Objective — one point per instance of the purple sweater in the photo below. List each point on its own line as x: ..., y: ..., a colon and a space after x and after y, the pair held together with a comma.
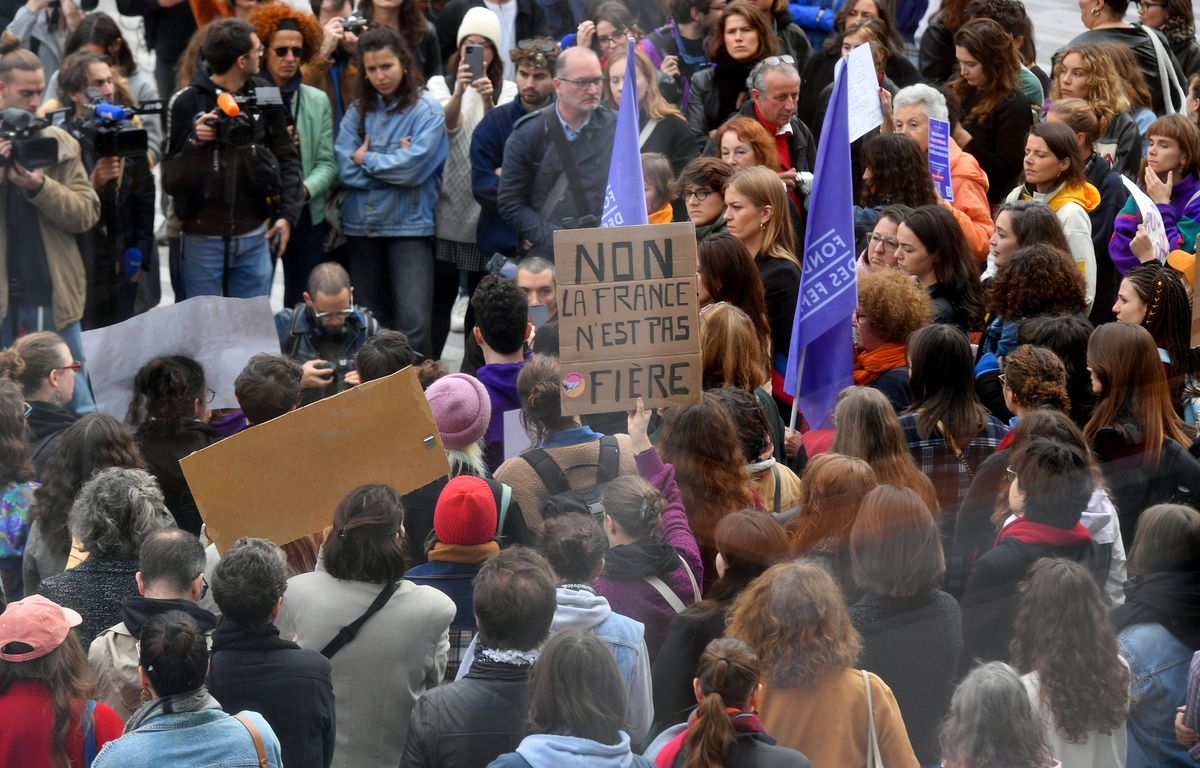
x: 637, y: 599
x: 1181, y: 220
x: 500, y: 379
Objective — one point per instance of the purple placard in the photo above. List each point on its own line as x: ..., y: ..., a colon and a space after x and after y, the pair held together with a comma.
x: 939, y: 158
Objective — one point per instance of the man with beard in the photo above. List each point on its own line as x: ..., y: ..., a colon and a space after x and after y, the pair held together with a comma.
x: 325, y: 332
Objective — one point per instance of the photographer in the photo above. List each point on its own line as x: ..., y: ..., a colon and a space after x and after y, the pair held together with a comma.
x: 42, y: 25
x: 325, y: 332
x: 334, y: 69
x: 121, y: 246
x: 228, y: 174
x: 44, y: 209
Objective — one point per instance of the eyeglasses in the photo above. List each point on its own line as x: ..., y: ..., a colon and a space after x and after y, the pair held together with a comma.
x: 585, y: 82
x: 74, y: 366
x: 773, y: 61
x: 28, y: 410
x: 1011, y: 473
x: 888, y: 243
x: 203, y: 585
x: 335, y: 313
x: 283, y: 50
x: 535, y: 44
x: 210, y: 395
x: 700, y: 194
x: 606, y: 41
x: 1003, y: 379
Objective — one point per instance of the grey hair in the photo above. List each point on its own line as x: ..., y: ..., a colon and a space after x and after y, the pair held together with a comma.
x: 758, y: 76
x: 537, y: 265
x: 991, y: 723
x: 929, y: 99
x: 116, y: 510
x: 565, y: 58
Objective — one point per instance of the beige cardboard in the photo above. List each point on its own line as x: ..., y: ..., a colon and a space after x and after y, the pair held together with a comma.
x: 580, y: 255
x: 615, y: 321
x: 592, y: 387
x: 283, y: 479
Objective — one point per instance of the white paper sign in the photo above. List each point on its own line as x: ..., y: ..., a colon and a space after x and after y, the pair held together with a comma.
x: 1151, y: 218
x: 862, y: 93
x: 516, y: 439
x: 219, y: 333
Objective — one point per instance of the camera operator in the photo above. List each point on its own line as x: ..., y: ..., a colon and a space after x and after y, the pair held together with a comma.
x: 228, y: 174
x: 43, y: 25
x: 121, y: 246
x: 325, y: 332
x: 44, y: 209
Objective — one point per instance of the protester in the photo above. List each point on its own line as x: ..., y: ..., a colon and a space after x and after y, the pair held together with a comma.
x: 1086, y: 72
x: 41, y: 364
x: 45, y: 689
x: 991, y: 722
x: 668, y: 134
x: 392, y: 186
x: 1177, y: 21
x: 726, y: 730
x: 679, y: 48
x: 95, y: 442
x: 170, y: 413
x: 502, y: 328
x: 911, y: 630
x: 776, y: 486
x: 894, y: 172
x: 731, y: 355
x: 891, y: 307
x: 702, y: 187
x: 936, y: 59
x: 606, y: 27
x: 383, y: 354
x: 794, y: 619
x: 170, y: 577
x: 1067, y: 650
x: 1156, y: 298
x: 576, y: 709
x: 252, y: 665
x: 1158, y: 628
x: 16, y: 488
x: 1019, y: 224
x: 267, y: 388
x: 397, y: 655
x: 181, y: 722
x: 417, y: 34
x: 932, y: 249
x: 658, y: 183
x: 881, y: 244
x: 333, y: 67
x: 726, y: 274
x: 482, y: 716
x: 868, y: 429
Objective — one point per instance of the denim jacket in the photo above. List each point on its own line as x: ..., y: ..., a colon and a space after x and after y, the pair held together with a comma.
x: 395, y: 191
x: 1159, y: 663
x: 208, y: 738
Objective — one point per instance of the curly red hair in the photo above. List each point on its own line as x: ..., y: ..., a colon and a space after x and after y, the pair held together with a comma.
x: 267, y: 17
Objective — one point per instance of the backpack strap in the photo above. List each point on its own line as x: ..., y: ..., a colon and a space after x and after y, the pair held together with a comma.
x: 667, y: 593
x: 552, y: 475
x: 609, y: 463
x: 778, y: 489
x: 254, y: 734
x: 350, y: 631
x: 502, y: 507
x: 89, y: 735
x: 691, y: 577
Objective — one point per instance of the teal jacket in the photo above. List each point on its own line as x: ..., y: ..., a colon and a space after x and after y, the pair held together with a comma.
x: 314, y: 124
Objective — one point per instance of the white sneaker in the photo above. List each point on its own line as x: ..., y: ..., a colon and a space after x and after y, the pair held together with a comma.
x: 458, y: 314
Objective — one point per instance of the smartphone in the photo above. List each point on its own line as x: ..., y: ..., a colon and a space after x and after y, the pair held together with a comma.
x: 474, y: 56
x: 538, y: 314
x: 276, y: 239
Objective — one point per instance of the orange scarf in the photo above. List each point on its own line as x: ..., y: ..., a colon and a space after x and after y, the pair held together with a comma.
x: 869, y: 366
x: 662, y: 215
x: 205, y: 11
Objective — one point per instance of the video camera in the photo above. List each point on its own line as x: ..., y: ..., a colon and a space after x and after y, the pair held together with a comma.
x: 109, y: 130
x: 29, y: 149
x: 235, y: 122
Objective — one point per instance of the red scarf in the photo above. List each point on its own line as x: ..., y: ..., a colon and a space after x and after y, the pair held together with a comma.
x: 1045, y: 535
x: 742, y: 721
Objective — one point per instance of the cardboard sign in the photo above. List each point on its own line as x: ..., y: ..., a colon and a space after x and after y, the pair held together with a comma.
x: 629, y: 322
x: 283, y: 479
x: 1152, y: 219
x: 219, y: 333
x: 863, y: 114
x: 939, y: 158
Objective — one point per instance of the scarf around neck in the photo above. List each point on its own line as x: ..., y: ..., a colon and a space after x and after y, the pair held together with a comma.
x: 1031, y: 532
x: 869, y: 365
x: 465, y: 554
x: 192, y: 701
x: 730, y: 81
x: 1170, y: 598
x: 650, y: 557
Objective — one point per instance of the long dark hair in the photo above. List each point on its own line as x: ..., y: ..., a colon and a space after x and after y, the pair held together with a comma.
x: 95, y: 442
x: 495, y: 71
x: 174, y: 653
x: 576, y: 690
x: 1060, y: 140
x: 992, y: 46
x: 728, y: 674
x: 364, y: 545
x: 1063, y: 633
x: 16, y: 464
x: 165, y: 391
x: 954, y: 264
x: 98, y: 28
x: 539, y: 386
x: 942, y: 376
x: 1033, y: 222
x: 64, y: 672
x: 1169, y: 320
x: 412, y: 82
x: 412, y: 21
x: 899, y: 172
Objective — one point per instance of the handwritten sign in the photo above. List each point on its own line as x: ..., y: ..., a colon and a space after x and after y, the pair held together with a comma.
x: 1152, y: 219
x: 628, y: 317
x: 939, y: 158
x: 862, y: 93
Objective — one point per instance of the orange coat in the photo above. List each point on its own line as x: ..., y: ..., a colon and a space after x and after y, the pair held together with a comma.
x: 970, y: 200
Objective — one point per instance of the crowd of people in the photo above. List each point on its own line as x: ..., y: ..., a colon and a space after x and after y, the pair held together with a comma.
x: 992, y: 559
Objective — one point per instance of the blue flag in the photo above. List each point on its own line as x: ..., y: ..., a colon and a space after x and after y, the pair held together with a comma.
x: 821, y: 357
x: 625, y: 198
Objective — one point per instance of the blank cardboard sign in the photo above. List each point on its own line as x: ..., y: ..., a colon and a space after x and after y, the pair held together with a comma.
x: 283, y: 479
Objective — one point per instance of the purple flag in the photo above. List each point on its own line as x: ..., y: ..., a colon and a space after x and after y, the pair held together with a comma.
x: 821, y: 358
x: 625, y: 198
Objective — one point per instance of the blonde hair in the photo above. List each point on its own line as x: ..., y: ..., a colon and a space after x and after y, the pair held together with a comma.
x: 1106, y: 94
x: 762, y: 187
x: 653, y: 103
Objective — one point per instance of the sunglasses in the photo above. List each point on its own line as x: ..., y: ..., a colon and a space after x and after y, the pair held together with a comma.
x: 283, y: 50
x: 773, y: 61
x: 74, y: 366
x: 543, y: 46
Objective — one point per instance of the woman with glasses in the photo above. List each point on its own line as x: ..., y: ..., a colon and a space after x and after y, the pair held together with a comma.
x: 170, y: 412
x: 41, y: 363
x: 607, y: 33
x: 881, y: 244
x: 741, y: 38
x: 1177, y: 21
x: 702, y: 187
x: 891, y: 307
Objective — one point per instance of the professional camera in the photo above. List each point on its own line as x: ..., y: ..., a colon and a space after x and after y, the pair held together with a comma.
x: 237, y: 115
x: 29, y: 149
x: 355, y: 23
x: 109, y: 131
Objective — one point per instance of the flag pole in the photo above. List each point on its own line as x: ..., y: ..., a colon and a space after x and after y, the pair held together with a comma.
x: 796, y: 398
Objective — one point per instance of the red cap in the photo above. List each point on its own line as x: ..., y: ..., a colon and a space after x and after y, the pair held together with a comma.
x: 37, y: 622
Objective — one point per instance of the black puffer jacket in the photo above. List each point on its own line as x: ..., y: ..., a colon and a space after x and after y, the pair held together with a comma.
x: 1135, y: 483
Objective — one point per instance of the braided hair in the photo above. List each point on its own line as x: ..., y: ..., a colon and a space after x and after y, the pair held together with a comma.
x: 1169, y: 320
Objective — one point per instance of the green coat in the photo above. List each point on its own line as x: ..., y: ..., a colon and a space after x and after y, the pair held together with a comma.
x: 314, y: 124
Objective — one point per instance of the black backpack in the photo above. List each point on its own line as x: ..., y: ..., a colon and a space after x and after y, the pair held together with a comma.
x: 563, y: 499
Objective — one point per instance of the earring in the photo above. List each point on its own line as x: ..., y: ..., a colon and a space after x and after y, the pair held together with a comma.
x: 762, y: 225
x: 1095, y: 11
x: 145, y: 696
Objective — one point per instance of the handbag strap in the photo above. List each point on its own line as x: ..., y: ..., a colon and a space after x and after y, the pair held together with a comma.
x: 958, y: 454
x: 667, y: 593
x: 350, y: 631
x: 647, y: 129
x: 874, y: 758
x: 567, y: 158
x: 254, y: 734
x: 1168, y: 81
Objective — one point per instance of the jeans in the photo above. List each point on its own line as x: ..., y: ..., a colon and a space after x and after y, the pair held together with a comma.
x: 23, y: 320
x: 305, y: 250
x: 203, y: 261
x: 393, y: 277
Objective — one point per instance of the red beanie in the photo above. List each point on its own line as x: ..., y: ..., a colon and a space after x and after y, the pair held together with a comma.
x: 465, y: 512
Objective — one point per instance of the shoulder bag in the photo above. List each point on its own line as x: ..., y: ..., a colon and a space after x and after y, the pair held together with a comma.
x: 350, y: 631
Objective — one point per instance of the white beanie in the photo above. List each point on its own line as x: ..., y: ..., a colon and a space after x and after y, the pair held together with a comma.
x: 483, y: 22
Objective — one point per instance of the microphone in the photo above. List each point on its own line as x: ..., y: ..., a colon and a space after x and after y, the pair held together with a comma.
x: 228, y: 105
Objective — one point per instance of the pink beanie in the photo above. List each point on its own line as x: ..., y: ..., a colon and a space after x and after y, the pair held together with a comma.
x: 461, y: 408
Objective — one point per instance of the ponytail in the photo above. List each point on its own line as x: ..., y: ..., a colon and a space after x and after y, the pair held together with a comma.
x: 728, y: 674
x: 709, y: 735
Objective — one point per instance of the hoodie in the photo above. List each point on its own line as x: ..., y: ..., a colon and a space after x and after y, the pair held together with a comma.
x: 1072, y: 204
x: 46, y: 424
x: 971, y: 207
x: 1181, y: 220
x: 500, y: 380
x: 552, y: 751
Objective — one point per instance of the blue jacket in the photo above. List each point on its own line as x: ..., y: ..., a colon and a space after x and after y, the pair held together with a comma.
x: 394, y: 192
x: 493, y: 234
x: 1158, y: 663
x: 455, y: 581
x: 208, y: 738
x: 532, y: 165
x: 806, y: 13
